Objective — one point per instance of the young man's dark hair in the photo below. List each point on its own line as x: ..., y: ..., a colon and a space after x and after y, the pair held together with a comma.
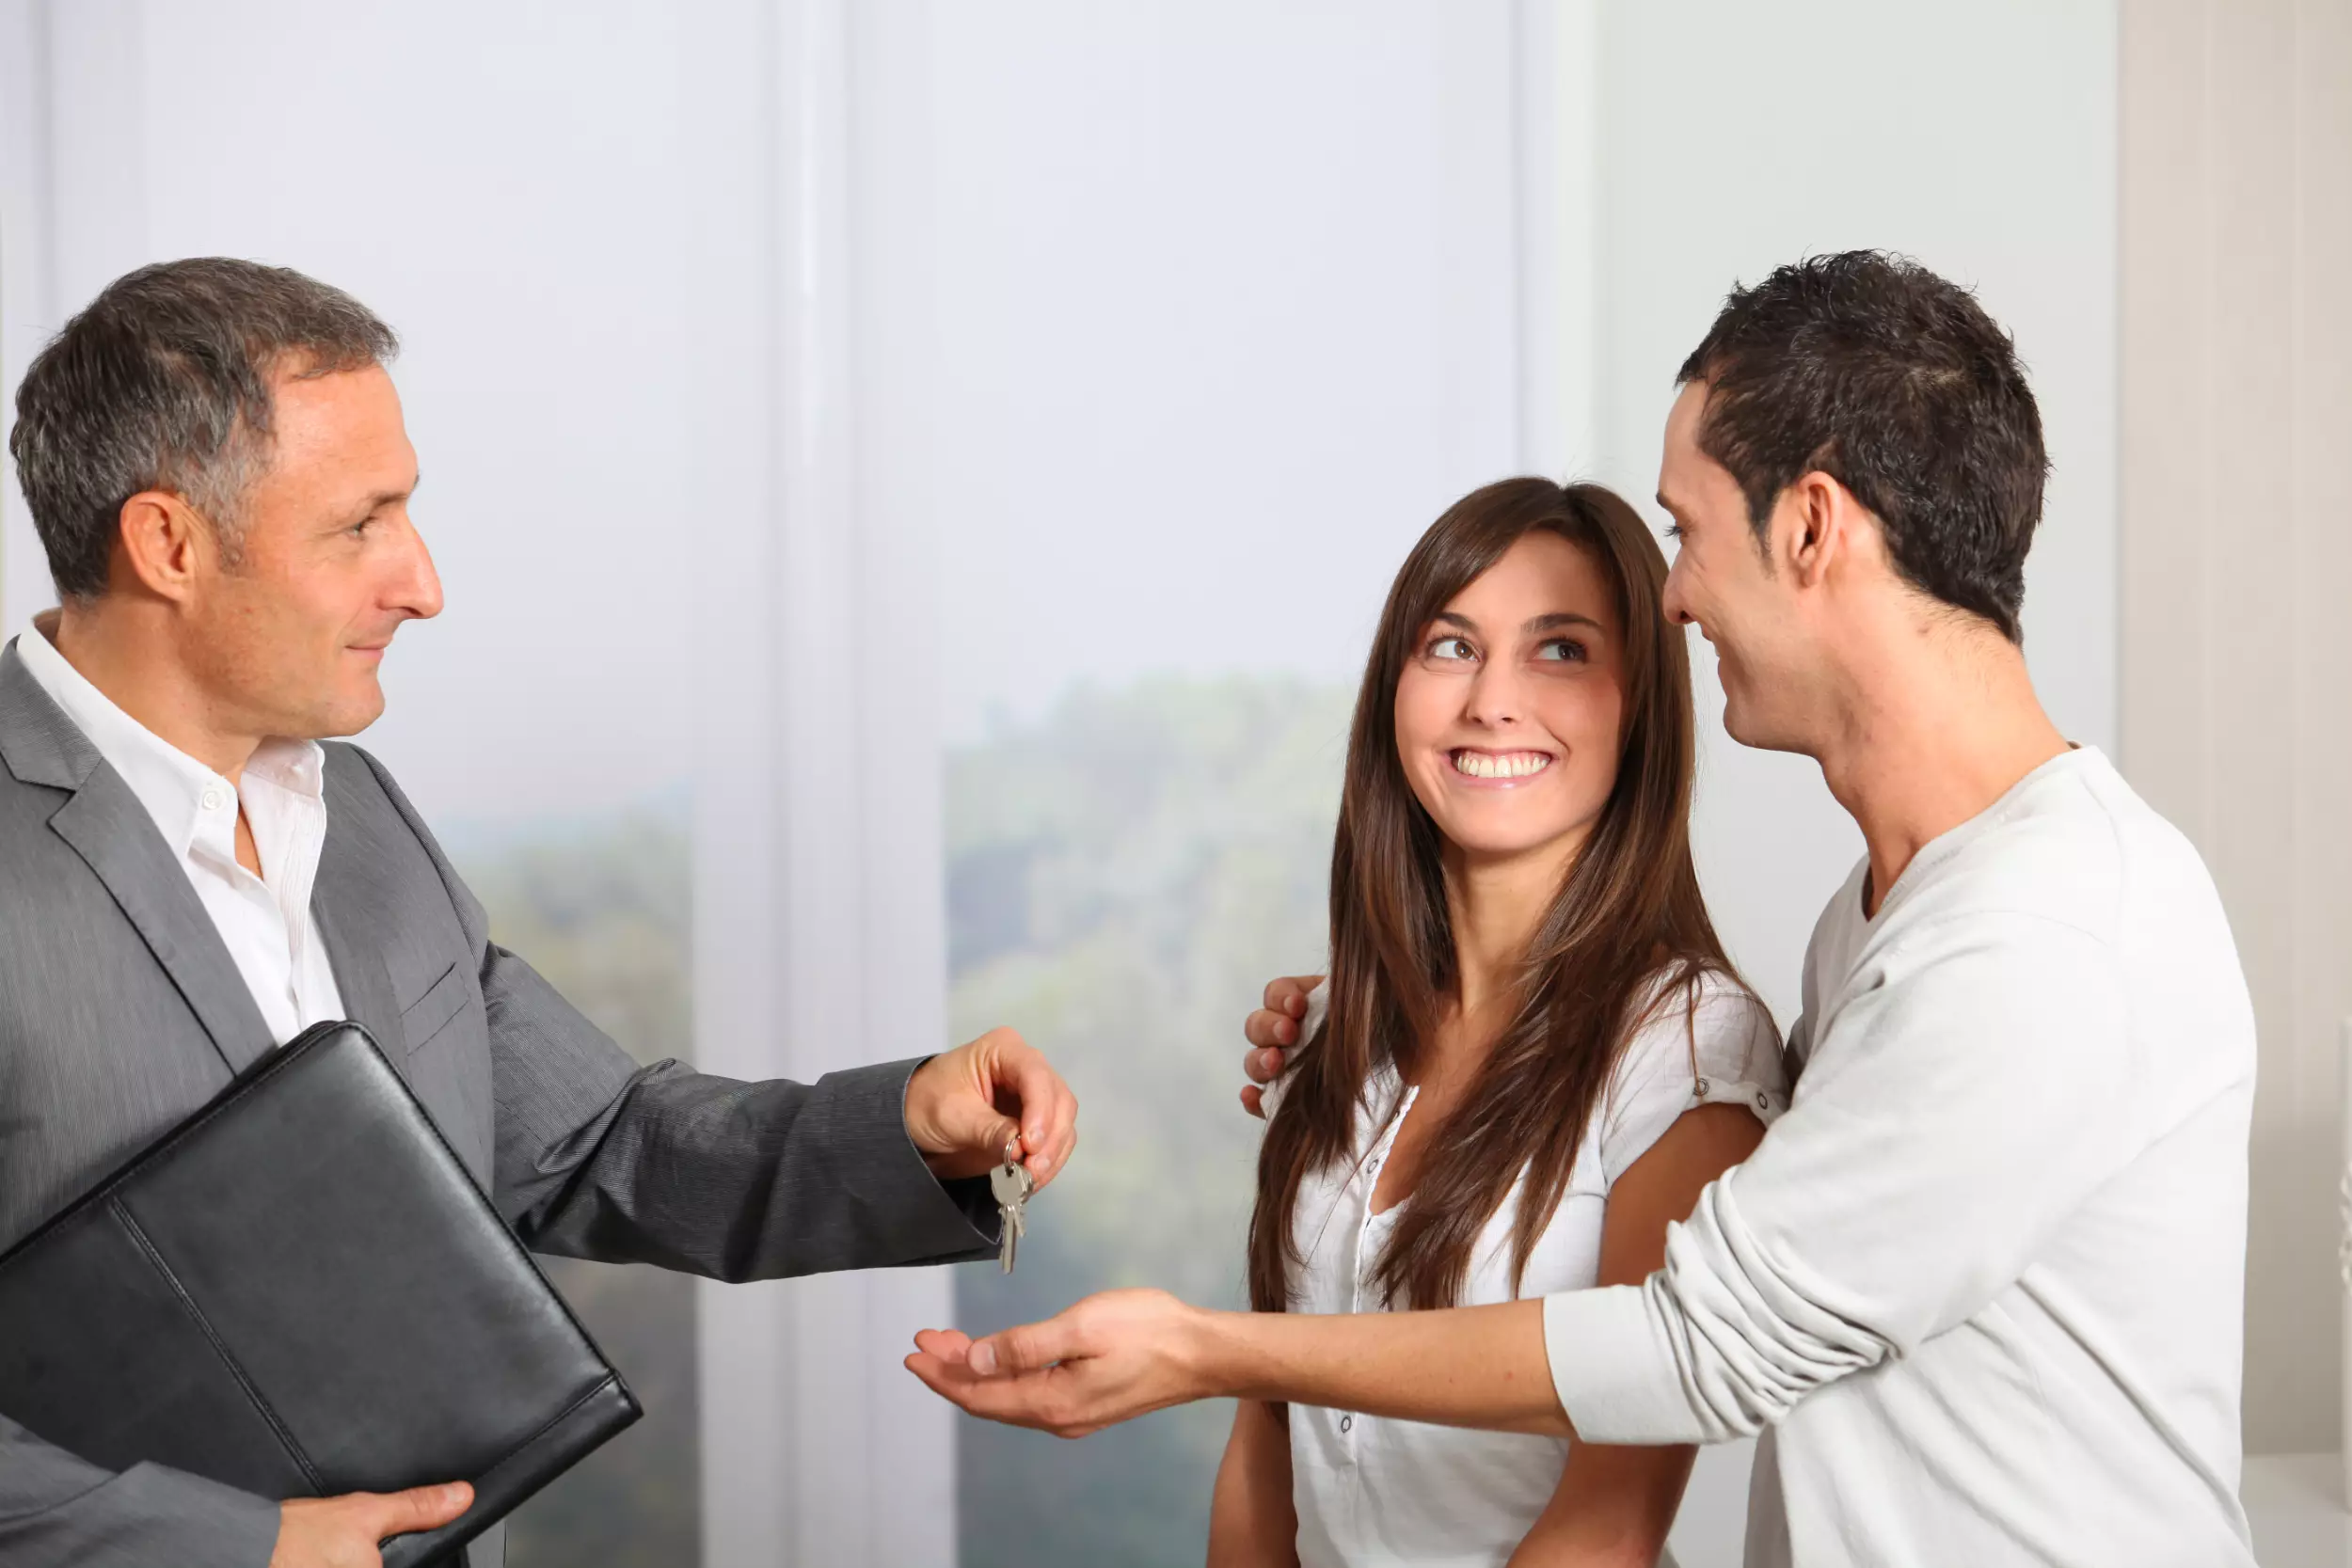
x: 1870, y: 368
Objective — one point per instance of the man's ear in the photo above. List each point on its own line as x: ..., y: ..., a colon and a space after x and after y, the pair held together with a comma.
x: 159, y: 545
x: 1816, y: 513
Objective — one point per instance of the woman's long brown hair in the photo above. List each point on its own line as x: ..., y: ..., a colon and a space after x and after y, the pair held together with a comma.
x: 1627, y: 916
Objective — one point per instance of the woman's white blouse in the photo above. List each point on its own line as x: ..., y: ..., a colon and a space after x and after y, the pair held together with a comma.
x: 1370, y: 1490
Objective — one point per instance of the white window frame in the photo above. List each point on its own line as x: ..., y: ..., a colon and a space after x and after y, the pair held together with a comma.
x: 819, y: 938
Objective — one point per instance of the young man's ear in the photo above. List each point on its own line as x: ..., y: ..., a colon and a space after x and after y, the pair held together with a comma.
x: 158, y: 544
x: 1820, y: 515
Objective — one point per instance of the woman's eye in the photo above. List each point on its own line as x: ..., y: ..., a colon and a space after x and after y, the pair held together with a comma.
x: 1451, y: 647
x: 1565, y: 650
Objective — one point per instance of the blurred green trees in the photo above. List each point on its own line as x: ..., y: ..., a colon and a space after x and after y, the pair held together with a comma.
x: 1123, y: 878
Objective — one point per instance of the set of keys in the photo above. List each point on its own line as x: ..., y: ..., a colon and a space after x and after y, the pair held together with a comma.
x: 1013, y: 1184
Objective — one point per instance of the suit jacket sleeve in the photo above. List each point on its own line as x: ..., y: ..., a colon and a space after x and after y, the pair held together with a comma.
x: 56, y: 1510
x: 597, y: 1156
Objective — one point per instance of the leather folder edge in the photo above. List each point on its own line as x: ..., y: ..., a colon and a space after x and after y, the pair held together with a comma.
x: 514, y: 1479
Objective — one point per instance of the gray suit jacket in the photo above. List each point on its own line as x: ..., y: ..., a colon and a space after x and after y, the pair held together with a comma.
x: 121, y: 1012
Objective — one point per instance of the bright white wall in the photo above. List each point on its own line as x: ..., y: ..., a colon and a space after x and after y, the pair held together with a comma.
x: 27, y: 314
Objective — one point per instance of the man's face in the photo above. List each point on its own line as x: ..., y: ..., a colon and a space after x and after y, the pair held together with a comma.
x: 1724, y: 584
x: 287, y: 640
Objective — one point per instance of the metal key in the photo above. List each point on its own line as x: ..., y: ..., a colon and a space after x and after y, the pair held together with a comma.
x: 1013, y: 1184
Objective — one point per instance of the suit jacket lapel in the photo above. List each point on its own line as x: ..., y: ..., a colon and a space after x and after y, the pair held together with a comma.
x: 358, y: 962
x: 106, y: 824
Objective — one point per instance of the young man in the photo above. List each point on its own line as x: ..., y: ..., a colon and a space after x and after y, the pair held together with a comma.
x: 1979, y: 1289
x: 216, y: 460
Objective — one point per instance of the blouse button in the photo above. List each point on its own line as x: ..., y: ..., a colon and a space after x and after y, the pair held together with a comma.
x: 1347, y: 1423
x: 1763, y: 1101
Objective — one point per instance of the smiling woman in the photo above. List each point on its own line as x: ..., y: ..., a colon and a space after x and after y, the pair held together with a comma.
x: 1532, y: 1052
x: 1508, y: 713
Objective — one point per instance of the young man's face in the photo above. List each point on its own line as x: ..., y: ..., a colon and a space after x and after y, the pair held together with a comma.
x: 1724, y: 582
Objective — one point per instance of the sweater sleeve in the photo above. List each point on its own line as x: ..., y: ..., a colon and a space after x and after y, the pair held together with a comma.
x: 1951, y: 1117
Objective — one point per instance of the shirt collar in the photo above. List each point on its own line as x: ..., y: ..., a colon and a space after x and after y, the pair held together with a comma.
x: 171, y: 784
x: 296, y: 767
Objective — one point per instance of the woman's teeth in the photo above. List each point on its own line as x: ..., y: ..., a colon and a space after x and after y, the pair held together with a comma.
x: 1506, y: 765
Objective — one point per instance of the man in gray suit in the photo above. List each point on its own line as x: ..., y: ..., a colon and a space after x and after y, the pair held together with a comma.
x: 214, y: 458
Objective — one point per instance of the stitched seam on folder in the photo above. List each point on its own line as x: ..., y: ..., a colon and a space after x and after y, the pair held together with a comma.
x: 220, y: 1348
x: 609, y: 1380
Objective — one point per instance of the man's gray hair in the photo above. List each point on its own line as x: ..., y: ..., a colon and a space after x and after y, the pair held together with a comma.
x: 162, y: 382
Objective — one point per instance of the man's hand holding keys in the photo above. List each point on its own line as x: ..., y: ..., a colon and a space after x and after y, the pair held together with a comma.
x: 966, y: 1105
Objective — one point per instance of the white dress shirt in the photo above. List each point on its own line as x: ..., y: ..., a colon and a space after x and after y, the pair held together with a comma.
x: 1370, y: 1491
x: 265, y: 921
x: 1982, y: 1287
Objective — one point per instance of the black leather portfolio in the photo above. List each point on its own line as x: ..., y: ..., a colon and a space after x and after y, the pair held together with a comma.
x: 300, y: 1291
